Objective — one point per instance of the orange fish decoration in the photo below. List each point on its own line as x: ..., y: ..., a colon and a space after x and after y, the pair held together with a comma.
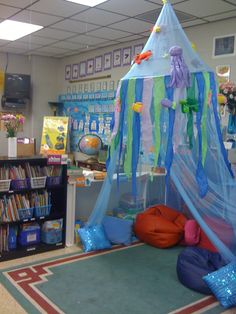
x: 146, y: 55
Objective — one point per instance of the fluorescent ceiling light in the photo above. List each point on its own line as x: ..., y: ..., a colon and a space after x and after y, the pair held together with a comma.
x: 89, y: 3
x: 12, y: 30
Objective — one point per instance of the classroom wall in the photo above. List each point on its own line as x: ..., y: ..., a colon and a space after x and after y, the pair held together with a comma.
x: 203, y: 35
x: 44, y: 81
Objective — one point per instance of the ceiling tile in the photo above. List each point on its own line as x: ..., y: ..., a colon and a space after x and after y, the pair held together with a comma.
x: 6, y: 11
x: 50, y: 49
x: 193, y: 23
x: 22, y: 45
x: 221, y: 16
x: 28, y: 16
x: 3, y: 42
x: 108, y: 33
x: 12, y: 50
x: 54, y: 33
x: 161, y: 2
x: 232, y: 1
x: 37, y: 40
x: 74, y: 26
x: 128, y: 7
x: 203, y: 8
x: 68, y: 45
x: 87, y: 40
x: 130, y: 38
x: 57, y: 7
x: 18, y: 4
x: 133, y: 26
x: 106, y: 44
x: 99, y: 17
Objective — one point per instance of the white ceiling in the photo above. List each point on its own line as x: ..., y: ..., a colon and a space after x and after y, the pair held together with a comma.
x: 71, y: 28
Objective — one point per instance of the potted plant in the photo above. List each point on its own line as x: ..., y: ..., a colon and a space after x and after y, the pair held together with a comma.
x: 12, y: 124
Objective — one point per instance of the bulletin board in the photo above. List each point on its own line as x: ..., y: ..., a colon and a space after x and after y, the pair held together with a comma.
x: 89, y: 113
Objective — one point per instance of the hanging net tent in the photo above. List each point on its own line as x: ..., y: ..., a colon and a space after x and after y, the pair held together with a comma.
x: 166, y: 116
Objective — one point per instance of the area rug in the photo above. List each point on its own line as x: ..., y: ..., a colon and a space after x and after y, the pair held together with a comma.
x: 125, y: 280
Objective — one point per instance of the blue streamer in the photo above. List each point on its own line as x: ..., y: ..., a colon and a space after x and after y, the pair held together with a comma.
x: 217, y: 121
x: 136, y: 135
x: 123, y: 93
x: 200, y: 174
x: 169, y: 149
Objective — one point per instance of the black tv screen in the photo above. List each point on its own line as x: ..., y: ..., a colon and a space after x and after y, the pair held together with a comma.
x: 17, y: 85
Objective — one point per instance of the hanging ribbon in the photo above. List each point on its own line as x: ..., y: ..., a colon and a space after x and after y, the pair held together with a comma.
x: 217, y: 121
x: 118, y: 139
x: 117, y: 111
x: 158, y: 95
x: 136, y: 135
x: 169, y: 149
x: 146, y: 130
x: 200, y: 174
x: 189, y: 106
x: 232, y: 124
x: 204, y: 116
x: 130, y: 112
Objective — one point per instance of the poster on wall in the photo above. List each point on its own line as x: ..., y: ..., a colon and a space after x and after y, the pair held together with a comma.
x: 54, y: 135
x: 68, y: 72
x: 98, y: 64
x: 223, y: 73
x: 107, y: 61
x: 82, y: 69
x: 117, y: 58
x: 90, y: 66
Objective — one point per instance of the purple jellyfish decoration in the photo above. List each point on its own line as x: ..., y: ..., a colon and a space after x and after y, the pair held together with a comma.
x: 180, y: 75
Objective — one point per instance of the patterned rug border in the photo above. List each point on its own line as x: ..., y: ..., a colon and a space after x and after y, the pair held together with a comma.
x: 25, y: 279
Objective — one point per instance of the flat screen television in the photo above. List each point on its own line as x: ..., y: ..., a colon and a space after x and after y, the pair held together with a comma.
x: 17, y: 86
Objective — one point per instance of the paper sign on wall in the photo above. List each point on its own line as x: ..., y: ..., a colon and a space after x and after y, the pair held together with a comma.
x: 54, y: 135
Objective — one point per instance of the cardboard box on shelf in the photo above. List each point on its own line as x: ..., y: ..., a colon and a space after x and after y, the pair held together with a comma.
x: 26, y: 146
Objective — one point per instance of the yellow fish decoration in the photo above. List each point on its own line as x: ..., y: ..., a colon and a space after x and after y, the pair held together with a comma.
x: 222, y: 100
x: 137, y: 107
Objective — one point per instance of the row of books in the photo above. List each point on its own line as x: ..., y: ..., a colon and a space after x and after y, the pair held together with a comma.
x: 4, y: 232
x: 11, y: 206
x: 52, y: 171
x: 4, y: 173
x: 28, y: 171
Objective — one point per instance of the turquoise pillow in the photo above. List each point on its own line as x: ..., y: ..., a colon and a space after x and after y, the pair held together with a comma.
x: 118, y: 231
x: 223, y: 284
x: 93, y: 238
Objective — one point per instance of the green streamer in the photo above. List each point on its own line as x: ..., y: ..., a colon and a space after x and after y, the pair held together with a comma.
x: 204, y: 116
x: 193, y: 106
x: 130, y: 101
x: 158, y: 95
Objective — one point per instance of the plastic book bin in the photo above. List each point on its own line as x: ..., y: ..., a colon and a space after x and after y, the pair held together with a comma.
x: 19, y: 184
x: 52, y: 236
x: 42, y: 211
x: 38, y: 182
x: 25, y: 213
x: 29, y: 236
x: 5, y: 185
x: 53, y: 181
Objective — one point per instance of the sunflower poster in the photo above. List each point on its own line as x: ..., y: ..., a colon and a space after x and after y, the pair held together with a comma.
x: 54, y: 135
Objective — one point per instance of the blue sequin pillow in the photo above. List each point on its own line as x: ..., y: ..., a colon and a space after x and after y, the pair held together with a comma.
x: 223, y: 284
x: 93, y: 238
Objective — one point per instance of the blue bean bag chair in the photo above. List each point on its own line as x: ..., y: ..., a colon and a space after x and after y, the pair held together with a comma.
x: 193, y: 263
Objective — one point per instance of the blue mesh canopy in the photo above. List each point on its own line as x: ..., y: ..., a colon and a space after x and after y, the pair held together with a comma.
x: 166, y: 117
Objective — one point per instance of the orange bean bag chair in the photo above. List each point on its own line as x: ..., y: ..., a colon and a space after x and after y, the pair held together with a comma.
x: 160, y: 226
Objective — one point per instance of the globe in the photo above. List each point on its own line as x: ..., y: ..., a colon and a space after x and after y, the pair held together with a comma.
x: 90, y: 144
